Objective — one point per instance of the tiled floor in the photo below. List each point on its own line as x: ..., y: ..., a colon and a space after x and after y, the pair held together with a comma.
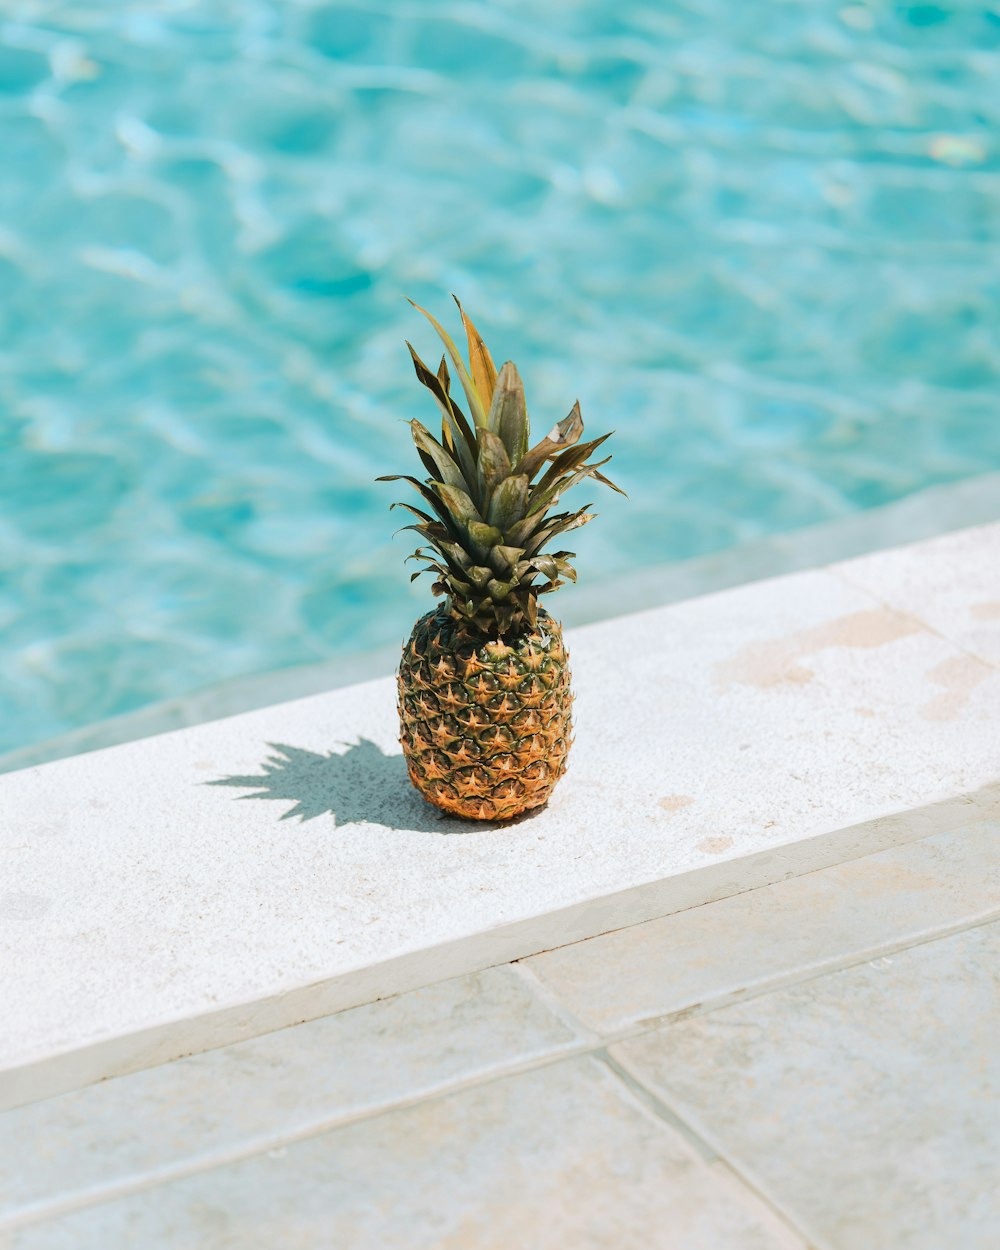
x: 813, y: 1064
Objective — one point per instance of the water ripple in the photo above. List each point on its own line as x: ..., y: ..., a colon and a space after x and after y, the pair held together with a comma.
x: 760, y: 240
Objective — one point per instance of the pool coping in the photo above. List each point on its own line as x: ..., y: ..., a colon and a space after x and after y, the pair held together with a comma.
x: 149, y: 914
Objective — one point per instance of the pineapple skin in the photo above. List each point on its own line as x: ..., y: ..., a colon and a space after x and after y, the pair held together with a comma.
x: 485, y: 722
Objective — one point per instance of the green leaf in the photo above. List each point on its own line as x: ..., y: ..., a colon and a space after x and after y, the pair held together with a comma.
x: 562, y: 435
x: 542, y: 499
x: 508, y: 503
x: 546, y: 565
x: 505, y: 558
x: 568, y: 460
x: 428, y: 520
x: 518, y: 534
x: 442, y: 465
x: 457, y: 504
x: 493, y: 464
x: 429, y: 495
x: 484, y: 536
x: 453, y: 584
x: 508, y: 416
x: 498, y: 591
x: 462, y: 435
x: 560, y: 524
x: 455, y: 554
x: 471, y: 394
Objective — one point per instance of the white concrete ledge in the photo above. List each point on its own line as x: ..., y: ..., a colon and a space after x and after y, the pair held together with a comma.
x: 186, y: 891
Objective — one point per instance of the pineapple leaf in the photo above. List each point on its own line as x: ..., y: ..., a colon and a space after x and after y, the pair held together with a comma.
x: 520, y: 532
x: 488, y: 518
x: 568, y: 460
x: 460, y: 430
x: 471, y: 394
x: 456, y: 502
x: 508, y: 502
x: 429, y: 496
x: 531, y: 609
x: 508, y: 416
x: 545, y: 498
x: 546, y: 565
x: 498, y: 591
x: 484, y: 371
x: 438, y: 462
x: 505, y: 558
x: 484, y: 536
x: 560, y: 524
x: 455, y: 554
x: 562, y: 435
x: 607, y: 482
x: 493, y: 464
x: 428, y: 520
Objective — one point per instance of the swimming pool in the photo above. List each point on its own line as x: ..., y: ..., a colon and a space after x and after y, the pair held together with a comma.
x: 759, y: 240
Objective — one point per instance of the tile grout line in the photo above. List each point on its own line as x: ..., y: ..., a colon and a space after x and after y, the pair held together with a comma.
x: 592, y: 1043
x: 541, y: 990
x: 264, y: 1143
x: 588, y: 1041
x: 654, y: 1101
x: 973, y: 798
x: 655, y: 1106
x: 800, y: 976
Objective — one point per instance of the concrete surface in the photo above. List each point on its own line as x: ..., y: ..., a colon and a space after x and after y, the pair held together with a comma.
x: 832, y: 1087
x: 180, y: 893
x: 864, y: 1101
x: 951, y: 582
x: 701, y: 958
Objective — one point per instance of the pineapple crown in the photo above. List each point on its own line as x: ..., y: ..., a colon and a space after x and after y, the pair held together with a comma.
x: 488, y: 517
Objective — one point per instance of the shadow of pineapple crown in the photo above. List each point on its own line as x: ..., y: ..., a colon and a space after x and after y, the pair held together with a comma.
x: 359, y: 785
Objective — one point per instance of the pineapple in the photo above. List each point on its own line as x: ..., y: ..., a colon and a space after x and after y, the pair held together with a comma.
x: 484, y: 682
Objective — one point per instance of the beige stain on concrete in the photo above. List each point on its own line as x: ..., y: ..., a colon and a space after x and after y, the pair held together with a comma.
x: 776, y: 661
x: 989, y: 611
x: 867, y: 712
x: 958, y: 676
x: 875, y: 878
x: 715, y: 846
x: 674, y: 802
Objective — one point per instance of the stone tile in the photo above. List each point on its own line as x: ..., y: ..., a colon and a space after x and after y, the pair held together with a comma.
x: 556, y: 1158
x: 864, y: 1102
x: 239, y: 1098
x: 952, y: 583
x: 785, y: 930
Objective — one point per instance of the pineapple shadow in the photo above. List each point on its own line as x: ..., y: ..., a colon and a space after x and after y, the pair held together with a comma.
x: 361, y: 784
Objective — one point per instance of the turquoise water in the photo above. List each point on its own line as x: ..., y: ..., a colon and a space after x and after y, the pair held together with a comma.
x: 758, y: 239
